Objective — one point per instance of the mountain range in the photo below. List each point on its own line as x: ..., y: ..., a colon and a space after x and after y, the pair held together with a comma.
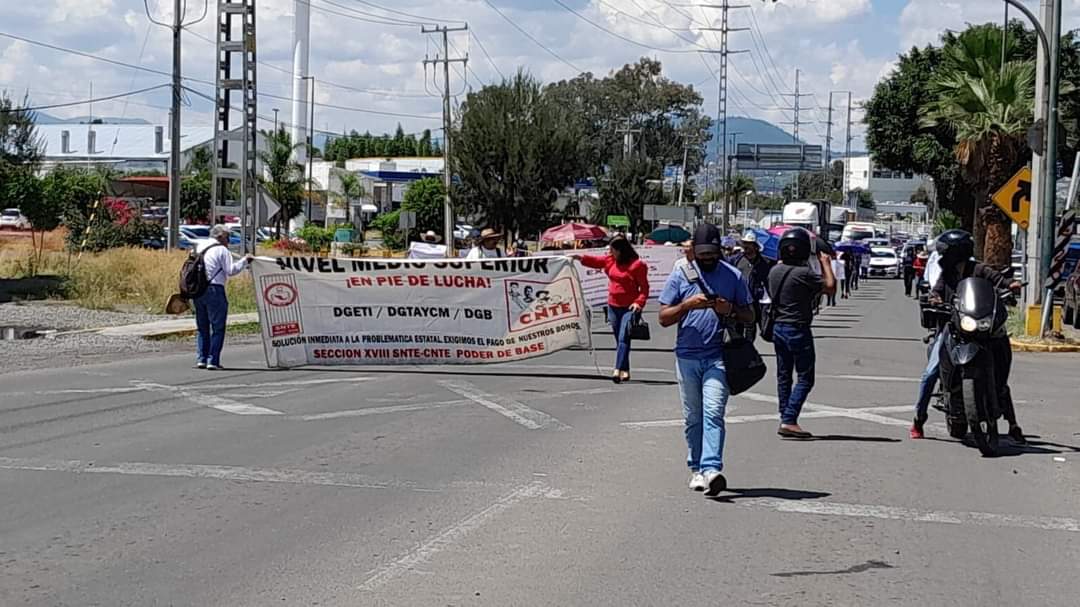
x: 750, y: 130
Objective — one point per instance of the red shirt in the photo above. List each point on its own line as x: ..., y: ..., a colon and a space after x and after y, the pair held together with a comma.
x: 627, y: 283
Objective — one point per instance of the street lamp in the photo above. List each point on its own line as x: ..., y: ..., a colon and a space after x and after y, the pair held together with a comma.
x: 310, y: 146
x: 275, y: 119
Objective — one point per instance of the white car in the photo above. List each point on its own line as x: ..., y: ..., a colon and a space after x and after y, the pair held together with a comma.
x: 884, y: 262
x: 13, y: 219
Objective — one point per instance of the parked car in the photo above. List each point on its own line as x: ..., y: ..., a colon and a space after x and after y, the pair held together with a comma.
x: 884, y: 262
x: 13, y: 219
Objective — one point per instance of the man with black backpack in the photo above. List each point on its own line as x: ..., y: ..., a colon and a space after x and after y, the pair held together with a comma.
x: 202, y: 280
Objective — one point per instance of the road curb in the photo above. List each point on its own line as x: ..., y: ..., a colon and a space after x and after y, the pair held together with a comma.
x: 1019, y: 346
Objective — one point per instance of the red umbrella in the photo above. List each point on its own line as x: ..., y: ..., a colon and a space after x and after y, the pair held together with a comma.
x: 573, y: 231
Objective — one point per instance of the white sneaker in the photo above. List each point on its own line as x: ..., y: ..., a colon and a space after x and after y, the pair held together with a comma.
x: 697, y: 482
x: 715, y: 483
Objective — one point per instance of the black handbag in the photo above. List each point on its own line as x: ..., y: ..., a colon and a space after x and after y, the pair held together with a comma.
x: 743, y: 365
x: 639, y: 329
x: 768, y: 319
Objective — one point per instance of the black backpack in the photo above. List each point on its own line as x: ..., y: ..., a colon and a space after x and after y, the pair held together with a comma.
x: 193, y: 278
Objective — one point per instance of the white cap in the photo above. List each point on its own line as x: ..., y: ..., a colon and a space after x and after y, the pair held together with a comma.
x: 750, y: 237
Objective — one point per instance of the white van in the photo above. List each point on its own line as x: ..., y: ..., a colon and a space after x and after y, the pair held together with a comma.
x: 858, y: 231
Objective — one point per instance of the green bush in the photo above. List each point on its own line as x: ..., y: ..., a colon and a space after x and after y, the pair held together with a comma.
x: 317, y: 238
x: 387, y: 223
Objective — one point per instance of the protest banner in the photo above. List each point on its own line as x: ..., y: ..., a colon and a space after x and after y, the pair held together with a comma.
x: 375, y: 312
x: 661, y: 262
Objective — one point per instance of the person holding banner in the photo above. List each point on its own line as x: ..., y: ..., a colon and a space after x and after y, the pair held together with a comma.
x: 704, y: 297
x: 487, y: 246
x: 628, y: 290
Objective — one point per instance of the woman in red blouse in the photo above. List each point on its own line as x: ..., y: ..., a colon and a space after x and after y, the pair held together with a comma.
x: 628, y: 289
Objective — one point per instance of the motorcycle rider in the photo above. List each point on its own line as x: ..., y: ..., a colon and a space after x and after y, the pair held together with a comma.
x: 956, y: 248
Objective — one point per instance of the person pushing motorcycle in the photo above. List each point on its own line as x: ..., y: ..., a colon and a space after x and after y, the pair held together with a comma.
x: 956, y: 248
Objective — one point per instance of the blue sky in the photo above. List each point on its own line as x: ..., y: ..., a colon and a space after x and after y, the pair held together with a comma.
x: 838, y: 45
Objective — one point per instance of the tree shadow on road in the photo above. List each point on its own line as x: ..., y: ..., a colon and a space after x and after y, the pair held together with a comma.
x: 767, y: 493
x: 847, y: 437
x: 860, y: 568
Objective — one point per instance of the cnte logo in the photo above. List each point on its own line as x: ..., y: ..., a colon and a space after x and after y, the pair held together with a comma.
x: 279, y: 294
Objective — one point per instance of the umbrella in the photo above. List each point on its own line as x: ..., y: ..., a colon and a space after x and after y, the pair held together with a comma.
x: 822, y: 244
x: 669, y: 234
x: 729, y: 242
x: 573, y: 231
x: 848, y: 246
x: 769, y: 243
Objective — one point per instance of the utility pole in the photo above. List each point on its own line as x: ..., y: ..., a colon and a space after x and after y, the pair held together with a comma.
x: 721, y: 99
x: 847, y: 152
x: 796, y: 96
x: 310, y: 144
x: 828, y: 146
x: 173, y: 237
x: 446, y: 60
x: 275, y: 119
x: 682, y: 170
x: 628, y: 137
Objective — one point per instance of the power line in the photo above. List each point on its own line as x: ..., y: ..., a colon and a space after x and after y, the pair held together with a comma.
x: 344, y: 87
x: 764, y: 44
x: 405, y: 14
x: 530, y: 37
x: 205, y: 82
x: 484, y: 50
x: 350, y: 13
x: 85, y: 101
x: 620, y: 36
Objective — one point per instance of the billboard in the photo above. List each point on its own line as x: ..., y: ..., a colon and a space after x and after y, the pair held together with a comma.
x: 778, y: 157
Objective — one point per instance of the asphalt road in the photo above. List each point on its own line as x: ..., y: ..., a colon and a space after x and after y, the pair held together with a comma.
x: 144, y: 482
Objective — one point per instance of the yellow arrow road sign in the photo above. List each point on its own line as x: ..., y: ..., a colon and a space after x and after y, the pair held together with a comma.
x: 1015, y: 197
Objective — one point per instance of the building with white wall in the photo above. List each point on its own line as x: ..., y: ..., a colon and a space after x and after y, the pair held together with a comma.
x: 886, y: 185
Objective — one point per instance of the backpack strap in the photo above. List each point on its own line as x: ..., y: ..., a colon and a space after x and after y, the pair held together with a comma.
x: 202, y: 258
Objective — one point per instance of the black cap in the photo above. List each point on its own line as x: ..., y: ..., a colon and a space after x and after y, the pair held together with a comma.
x: 707, y: 239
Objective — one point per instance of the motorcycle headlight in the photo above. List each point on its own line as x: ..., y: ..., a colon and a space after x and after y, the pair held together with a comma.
x: 984, y: 324
x: 968, y: 324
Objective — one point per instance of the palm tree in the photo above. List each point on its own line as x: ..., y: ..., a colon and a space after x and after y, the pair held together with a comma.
x: 989, y: 106
x: 351, y: 189
x: 282, y: 176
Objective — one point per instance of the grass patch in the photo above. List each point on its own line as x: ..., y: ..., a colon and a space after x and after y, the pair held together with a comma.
x: 127, y: 278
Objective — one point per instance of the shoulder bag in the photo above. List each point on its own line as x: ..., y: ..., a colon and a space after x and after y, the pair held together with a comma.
x: 743, y: 365
x: 768, y: 319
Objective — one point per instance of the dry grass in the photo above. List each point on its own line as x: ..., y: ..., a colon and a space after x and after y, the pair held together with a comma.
x: 127, y: 278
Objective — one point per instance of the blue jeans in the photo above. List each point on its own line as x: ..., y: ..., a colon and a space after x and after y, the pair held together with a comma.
x: 210, y: 312
x: 704, y: 391
x: 794, y: 346
x: 620, y: 319
x: 929, y: 377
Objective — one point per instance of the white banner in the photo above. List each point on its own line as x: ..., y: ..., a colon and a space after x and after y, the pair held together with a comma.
x: 661, y: 262
x: 375, y: 312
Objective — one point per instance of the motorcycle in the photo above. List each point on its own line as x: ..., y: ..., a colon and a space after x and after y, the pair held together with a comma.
x: 977, y: 315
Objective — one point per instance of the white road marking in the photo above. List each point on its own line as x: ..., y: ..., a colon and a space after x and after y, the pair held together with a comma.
x: 379, y: 410
x: 838, y: 411
x: 235, y: 473
x: 877, y: 378
x: 423, y: 406
x: 517, y: 411
x: 448, y: 537
x: 77, y: 391
x: 233, y: 386
x: 985, y: 519
x: 208, y: 400
x: 575, y: 368
x: 864, y: 413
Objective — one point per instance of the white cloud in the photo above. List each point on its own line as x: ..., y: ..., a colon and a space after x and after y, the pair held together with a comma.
x: 923, y: 21
x: 73, y: 10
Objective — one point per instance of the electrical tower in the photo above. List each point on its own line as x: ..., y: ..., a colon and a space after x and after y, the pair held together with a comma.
x: 721, y: 100
x: 795, y: 122
x: 446, y: 60
x: 236, y: 43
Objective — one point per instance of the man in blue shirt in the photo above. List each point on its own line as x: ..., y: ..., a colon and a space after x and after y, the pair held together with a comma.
x: 704, y: 298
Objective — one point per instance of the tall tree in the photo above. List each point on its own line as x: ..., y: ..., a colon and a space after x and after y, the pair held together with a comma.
x: 626, y: 188
x: 351, y: 190
x: 514, y: 150
x: 283, y: 177
x: 989, y: 106
x: 425, y: 197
